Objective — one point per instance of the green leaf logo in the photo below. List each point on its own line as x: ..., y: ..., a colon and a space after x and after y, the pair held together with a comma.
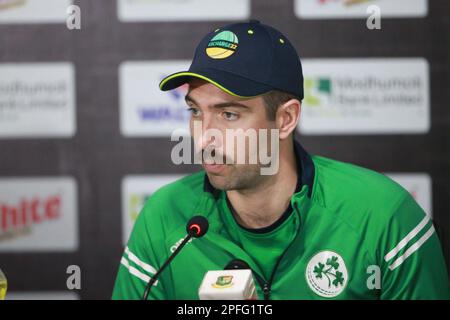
x: 326, y: 274
x: 332, y: 274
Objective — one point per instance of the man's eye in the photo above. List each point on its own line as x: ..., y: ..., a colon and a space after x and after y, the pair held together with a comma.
x: 230, y: 115
x: 195, y: 112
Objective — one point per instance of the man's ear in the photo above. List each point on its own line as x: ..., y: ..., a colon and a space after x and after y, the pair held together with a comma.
x: 287, y: 117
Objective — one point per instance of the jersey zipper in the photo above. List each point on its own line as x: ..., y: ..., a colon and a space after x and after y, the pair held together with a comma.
x: 266, y: 286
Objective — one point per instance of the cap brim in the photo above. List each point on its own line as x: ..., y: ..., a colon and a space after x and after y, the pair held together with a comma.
x: 230, y: 83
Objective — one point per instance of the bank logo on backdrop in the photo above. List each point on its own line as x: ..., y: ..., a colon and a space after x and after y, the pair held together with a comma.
x: 145, y: 110
x: 365, y: 96
x: 419, y: 186
x: 136, y: 190
x: 320, y: 9
x: 33, y: 11
x: 38, y: 214
x: 36, y: 106
x: 182, y: 10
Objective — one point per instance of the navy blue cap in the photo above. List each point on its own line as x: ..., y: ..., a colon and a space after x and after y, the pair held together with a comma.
x: 245, y: 60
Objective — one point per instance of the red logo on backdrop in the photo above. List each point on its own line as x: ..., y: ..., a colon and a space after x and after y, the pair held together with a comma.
x: 18, y: 218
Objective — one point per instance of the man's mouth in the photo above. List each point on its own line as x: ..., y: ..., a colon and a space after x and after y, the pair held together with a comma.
x: 213, y: 168
x: 210, y: 165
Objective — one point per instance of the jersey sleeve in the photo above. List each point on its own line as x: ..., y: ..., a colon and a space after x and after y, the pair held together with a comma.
x: 138, y: 264
x: 412, y: 262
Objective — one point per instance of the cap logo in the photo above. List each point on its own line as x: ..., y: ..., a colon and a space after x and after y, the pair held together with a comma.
x: 222, y: 45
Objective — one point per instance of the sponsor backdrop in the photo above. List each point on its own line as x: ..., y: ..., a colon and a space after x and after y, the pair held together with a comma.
x: 85, y: 132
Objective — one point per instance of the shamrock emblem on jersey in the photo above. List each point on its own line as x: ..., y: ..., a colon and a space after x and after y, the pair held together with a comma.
x: 330, y: 270
x: 326, y: 274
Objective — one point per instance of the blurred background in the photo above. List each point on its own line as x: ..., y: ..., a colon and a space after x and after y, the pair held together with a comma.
x: 85, y: 132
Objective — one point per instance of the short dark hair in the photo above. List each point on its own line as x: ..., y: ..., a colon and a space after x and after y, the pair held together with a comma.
x: 273, y: 99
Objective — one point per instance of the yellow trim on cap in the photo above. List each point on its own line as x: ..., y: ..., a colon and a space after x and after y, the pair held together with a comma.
x: 196, y: 75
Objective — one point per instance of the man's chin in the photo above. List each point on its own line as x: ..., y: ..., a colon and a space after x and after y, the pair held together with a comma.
x: 217, y: 181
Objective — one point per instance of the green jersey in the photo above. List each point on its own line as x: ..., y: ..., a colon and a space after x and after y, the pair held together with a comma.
x: 350, y: 233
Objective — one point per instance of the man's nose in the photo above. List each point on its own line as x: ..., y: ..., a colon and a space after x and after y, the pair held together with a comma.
x: 206, y: 135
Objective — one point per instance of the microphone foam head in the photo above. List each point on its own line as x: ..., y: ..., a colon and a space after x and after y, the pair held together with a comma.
x: 237, y: 264
x: 197, y: 226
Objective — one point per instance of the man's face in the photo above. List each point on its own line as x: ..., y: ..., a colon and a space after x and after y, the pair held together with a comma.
x: 215, y: 111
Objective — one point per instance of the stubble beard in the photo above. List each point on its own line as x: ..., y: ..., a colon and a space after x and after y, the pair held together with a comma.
x: 237, y: 177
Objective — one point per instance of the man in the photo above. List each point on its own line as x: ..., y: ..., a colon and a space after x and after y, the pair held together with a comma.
x: 314, y: 229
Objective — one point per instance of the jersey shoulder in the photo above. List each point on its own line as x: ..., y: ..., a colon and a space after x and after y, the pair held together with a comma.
x: 356, y: 193
x: 172, y: 204
x: 186, y: 188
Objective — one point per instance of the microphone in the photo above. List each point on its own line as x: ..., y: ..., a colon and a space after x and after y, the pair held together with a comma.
x: 196, y: 227
x: 237, y: 264
x: 233, y: 283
